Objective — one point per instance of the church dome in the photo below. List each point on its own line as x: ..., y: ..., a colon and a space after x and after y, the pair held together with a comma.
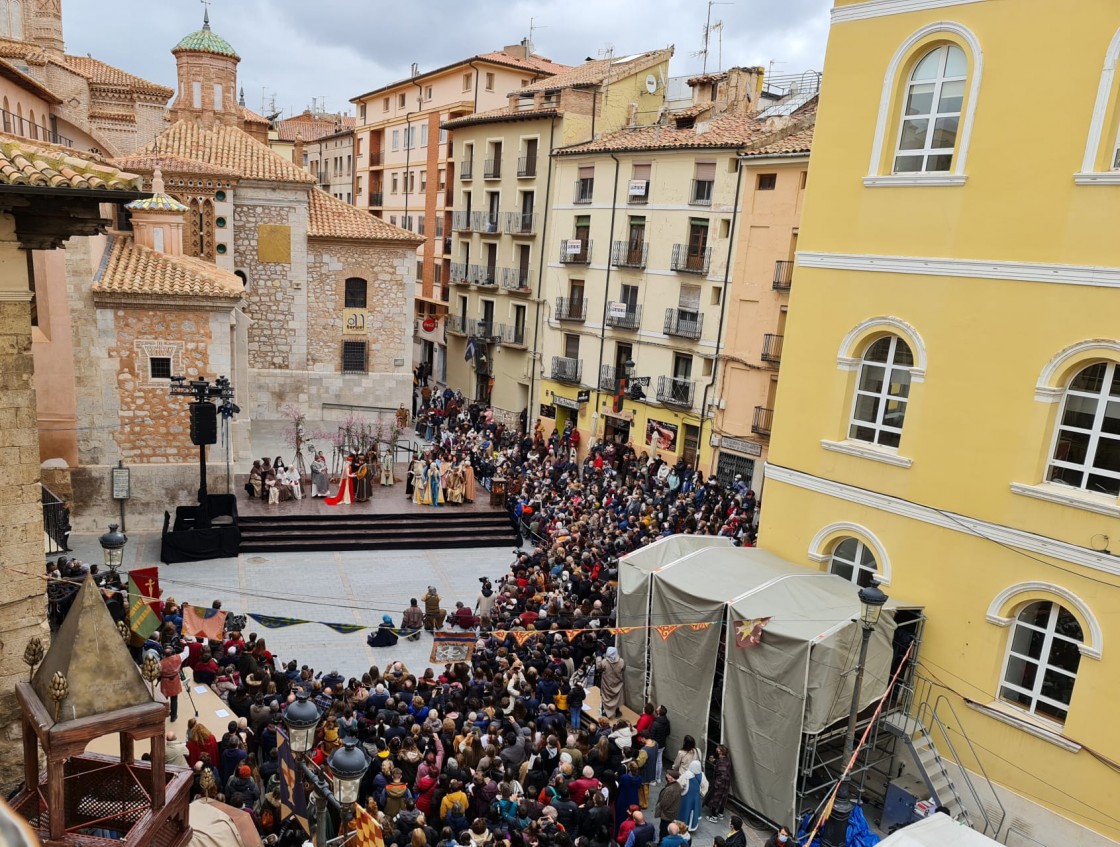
x: 205, y: 41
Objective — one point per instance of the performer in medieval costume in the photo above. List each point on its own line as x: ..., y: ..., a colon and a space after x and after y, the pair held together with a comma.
x: 345, y: 494
x: 256, y: 484
x: 293, y: 483
x: 422, y: 496
x: 412, y: 478
x: 361, y: 481
x: 435, y: 480
x: 320, y: 483
x: 468, y: 481
x: 387, y: 465
x: 455, y: 485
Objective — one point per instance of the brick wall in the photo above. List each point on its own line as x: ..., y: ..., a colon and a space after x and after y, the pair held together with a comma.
x: 22, y: 597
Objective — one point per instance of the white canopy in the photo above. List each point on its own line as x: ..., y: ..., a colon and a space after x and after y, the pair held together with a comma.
x: 937, y: 831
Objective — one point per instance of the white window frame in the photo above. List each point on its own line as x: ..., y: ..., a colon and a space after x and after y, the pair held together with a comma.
x: 1050, y: 634
x: 855, y: 563
x: 396, y: 139
x: 883, y: 396
x: 939, y: 81
x: 1102, y: 399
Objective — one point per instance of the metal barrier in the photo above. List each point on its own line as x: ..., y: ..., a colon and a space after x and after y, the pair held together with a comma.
x: 56, y: 523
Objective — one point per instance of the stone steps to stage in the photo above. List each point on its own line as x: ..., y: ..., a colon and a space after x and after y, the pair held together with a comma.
x: 438, y: 528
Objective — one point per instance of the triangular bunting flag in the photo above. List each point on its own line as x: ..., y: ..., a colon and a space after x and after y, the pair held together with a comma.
x: 699, y: 626
x: 344, y: 628
x: 500, y: 634
x: 666, y: 630
x: 275, y: 621
x: 522, y: 635
x: 622, y: 630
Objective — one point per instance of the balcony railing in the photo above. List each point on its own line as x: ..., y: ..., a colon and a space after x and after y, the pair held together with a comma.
x: 484, y: 275
x: 376, y: 158
x: 521, y: 223
x: 571, y: 309
x: 684, y: 324
x: 456, y: 325
x: 691, y: 261
x: 466, y: 170
x: 606, y: 378
x: 575, y: 251
x: 460, y: 273
x: 377, y: 198
x: 477, y: 328
x: 675, y: 392
x: 629, y: 254
x: 492, y: 169
x: 56, y: 523
x: 512, y: 335
x: 630, y: 320
x: 701, y: 193
x: 638, y: 199
x: 585, y: 188
x: 783, y: 275
x: 566, y: 370
x: 772, y: 348
x: 763, y: 420
x: 17, y: 125
x: 461, y: 221
x: 485, y: 222
x: 517, y: 280
x: 527, y: 166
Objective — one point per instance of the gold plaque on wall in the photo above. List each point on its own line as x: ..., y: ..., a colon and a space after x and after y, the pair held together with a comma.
x: 274, y: 244
x: 353, y: 321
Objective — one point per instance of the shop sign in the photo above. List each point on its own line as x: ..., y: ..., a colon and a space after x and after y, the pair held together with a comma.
x: 429, y: 324
x: 661, y: 435
x: 583, y: 395
x: 548, y: 411
x: 353, y: 321
x: 740, y: 445
x: 565, y: 403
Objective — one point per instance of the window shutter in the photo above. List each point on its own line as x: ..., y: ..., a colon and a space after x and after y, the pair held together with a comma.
x: 586, y: 171
x: 640, y: 172
x: 689, y: 299
x: 706, y: 171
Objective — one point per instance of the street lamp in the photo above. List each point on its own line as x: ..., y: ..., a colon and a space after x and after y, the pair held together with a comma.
x: 301, y: 718
x: 871, y: 602
x: 112, y: 546
x: 348, y: 764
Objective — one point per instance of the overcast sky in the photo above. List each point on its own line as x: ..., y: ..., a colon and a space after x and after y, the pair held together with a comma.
x: 295, y: 50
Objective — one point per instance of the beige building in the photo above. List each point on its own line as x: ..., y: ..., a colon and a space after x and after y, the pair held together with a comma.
x: 404, y: 169
x: 323, y: 144
x: 645, y: 267
x: 504, y: 192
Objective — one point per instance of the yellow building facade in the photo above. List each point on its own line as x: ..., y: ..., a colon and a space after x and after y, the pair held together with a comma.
x: 948, y: 418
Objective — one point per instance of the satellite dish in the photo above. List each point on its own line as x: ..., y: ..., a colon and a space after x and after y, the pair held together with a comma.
x: 651, y: 83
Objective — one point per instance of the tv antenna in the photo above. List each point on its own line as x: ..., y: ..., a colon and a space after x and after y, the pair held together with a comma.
x: 708, y: 28
x: 533, y: 27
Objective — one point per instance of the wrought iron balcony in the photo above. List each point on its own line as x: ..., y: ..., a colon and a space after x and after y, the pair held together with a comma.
x: 456, y: 325
x: 783, y: 275
x: 377, y: 198
x: 701, y: 193
x: 484, y: 275
x: 460, y: 273
x: 630, y: 320
x: 512, y: 335
x: 675, y: 392
x: 763, y: 420
x: 517, y: 280
x: 485, y: 222
x: 571, y: 309
x: 607, y: 378
x: 461, y: 221
x: 477, y: 328
x: 574, y: 251
x: 629, y: 254
x: 527, y: 166
x: 566, y: 370
x: 772, y: 348
x: 521, y: 223
x: 691, y: 261
x: 492, y: 169
x: 466, y: 169
x: 376, y: 158
x: 684, y: 324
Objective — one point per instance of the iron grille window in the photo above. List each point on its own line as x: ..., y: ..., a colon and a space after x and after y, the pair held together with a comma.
x: 354, y: 357
x: 355, y: 294
x: 159, y: 367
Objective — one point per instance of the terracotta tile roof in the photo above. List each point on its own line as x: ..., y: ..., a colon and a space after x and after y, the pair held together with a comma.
x: 49, y: 166
x: 313, y: 127
x: 798, y: 142
x: 227, y: 147
x: 594, y: 72
x: 506, y: 113
x: 99, y: 73
x: 332, y: 218
x: 252, y: 117
x: 690, y: 111
x: 130, y: 269
x: 25, y: 81
x: 12, y: 49
x: 534, y: 65
x: 146, y: 163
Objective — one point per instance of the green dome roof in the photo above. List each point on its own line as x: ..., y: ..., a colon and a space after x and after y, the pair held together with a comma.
x: 205, y: 41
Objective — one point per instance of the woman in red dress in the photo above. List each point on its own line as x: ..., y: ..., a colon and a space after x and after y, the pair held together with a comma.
x: 345, y: 494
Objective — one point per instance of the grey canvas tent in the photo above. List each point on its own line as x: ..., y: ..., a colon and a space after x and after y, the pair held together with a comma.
x: 761, y: 701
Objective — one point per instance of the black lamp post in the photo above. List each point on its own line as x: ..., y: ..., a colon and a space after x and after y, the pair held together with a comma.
x: 348, y: 764
x: 301, y: 718
x: 871, y: 601
x: 112, y: 546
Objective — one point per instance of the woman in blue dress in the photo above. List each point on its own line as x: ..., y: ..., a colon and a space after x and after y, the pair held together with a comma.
x: 690, y: 796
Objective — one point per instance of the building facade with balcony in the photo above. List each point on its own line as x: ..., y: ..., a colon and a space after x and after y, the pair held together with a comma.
x: 405, y: 171
x: 643, y: 253
x: 504, y: 193
x: 939, y: 248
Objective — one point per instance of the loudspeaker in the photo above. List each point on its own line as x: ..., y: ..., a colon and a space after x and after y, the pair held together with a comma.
x: 204, y: 424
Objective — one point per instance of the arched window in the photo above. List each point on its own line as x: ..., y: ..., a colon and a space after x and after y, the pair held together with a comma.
x: 5, y: 28
x: 1042, y: 658
x: 882, y: 392
x: 17, y: 20
x: 244, y: 279
x: 855, y: 561
x: 1087, y: 444
x: 931, y: 112
x: 33, y: 129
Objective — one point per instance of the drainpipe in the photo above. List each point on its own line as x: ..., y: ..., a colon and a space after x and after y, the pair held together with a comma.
x: 607, y: 284
x: 540, y: 276
x: 722, y: 303
x: 476, y: 72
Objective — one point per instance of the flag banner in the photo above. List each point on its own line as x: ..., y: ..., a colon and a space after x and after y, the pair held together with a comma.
x: 293, y: 800
x: 622, y: 630
x: 749, y: 633
x: 522, y: 635
x: 141, y: 619
x: 699, y: 626
x: 147, y: 580
x: 206, y: 623
x: 500, y: 634
x: 366, y: 830
x: 275, y: 621
x: 667, y: 630
x: 344, y: 628
x: 451, y: 647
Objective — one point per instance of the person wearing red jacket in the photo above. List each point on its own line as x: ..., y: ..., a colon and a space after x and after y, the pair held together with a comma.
x: 426, y: 783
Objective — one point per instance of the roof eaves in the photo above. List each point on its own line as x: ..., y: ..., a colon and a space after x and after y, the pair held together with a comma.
x: 435, y: 71
x: 28, y: 82
x: 474, y: 120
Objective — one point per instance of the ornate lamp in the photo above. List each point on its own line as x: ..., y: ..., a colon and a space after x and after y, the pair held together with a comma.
x: 871, y: 601
x: 348, y: 764
x: 112, y: 545
x: 301, y: 718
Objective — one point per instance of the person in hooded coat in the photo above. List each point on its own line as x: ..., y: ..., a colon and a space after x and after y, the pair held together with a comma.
x: 385, y: 635
x: 610, y: 670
